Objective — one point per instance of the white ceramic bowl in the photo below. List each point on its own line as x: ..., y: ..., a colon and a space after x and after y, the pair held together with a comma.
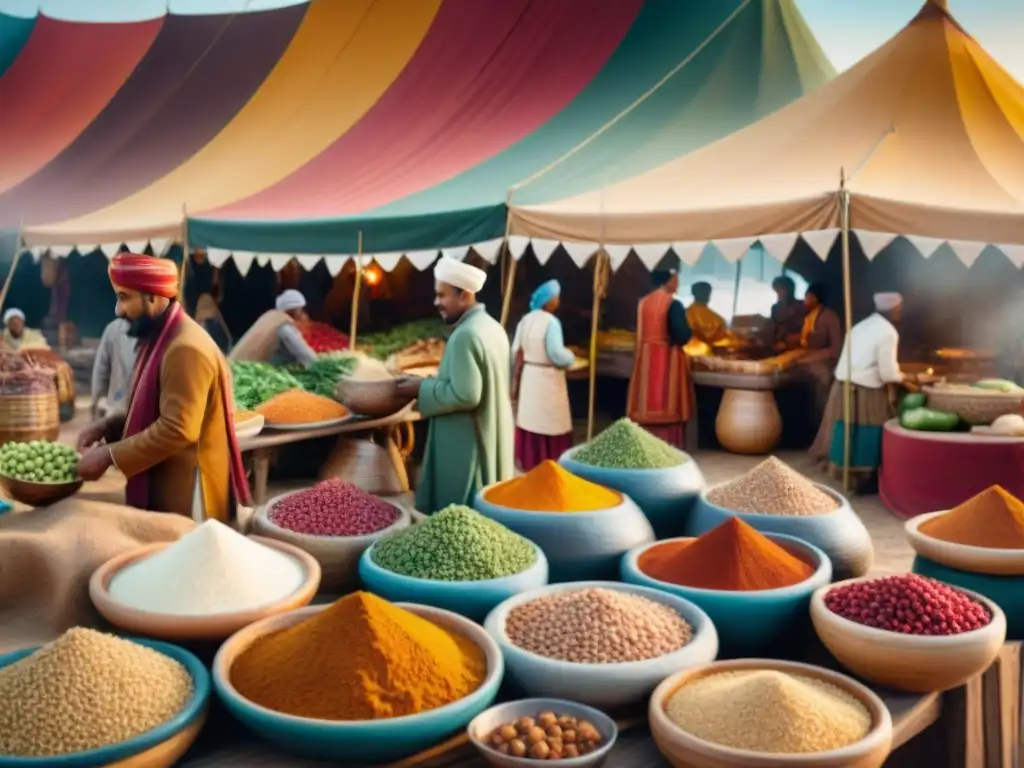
x: 917, y: 663
x: 601, y: 685
x: 684, y: 750
x: 484, y: 723
x: 995, y: 562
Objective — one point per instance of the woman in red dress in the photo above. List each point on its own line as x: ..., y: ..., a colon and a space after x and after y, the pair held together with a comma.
x: 661, y: 389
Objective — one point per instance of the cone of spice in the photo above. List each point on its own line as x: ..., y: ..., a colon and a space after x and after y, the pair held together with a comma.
x: 550, y: 488
x: 734, y: 557
x: 627, y: 445
x: 297, y: 407
x: 994, y: 519
x: 773, y: 488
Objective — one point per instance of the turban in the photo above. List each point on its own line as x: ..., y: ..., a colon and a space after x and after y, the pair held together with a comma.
x: 290, y: 299
x: 544, y: 294
x: 12, y: 313
x: 458, y: 274
x: 145, y: 274
x: 887, y: 302
x: 662, y: 276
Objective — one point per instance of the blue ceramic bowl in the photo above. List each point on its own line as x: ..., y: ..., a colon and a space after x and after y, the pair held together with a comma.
x: 605, y: 686
x: 1005, y: 591
x: 352, y: 741
x: 580, y: 546
x: 194, y: 710
x: 841, y: 535
x: 473, y: 599
x: 747, y: 622
x: 666, y: 496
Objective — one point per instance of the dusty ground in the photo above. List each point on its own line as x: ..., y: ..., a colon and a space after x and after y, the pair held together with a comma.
x: 891, y: 550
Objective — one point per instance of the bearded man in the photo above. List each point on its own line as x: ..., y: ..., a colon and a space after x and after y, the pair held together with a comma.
x: 175, y: 438
x: 471, y: 441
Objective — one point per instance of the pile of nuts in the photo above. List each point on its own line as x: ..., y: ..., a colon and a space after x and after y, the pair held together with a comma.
x: 546, y: 737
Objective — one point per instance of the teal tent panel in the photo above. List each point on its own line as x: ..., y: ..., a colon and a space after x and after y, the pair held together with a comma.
x: 14, y: 33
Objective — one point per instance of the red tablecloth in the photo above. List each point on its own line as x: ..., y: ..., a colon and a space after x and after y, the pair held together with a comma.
x: 929, y: 471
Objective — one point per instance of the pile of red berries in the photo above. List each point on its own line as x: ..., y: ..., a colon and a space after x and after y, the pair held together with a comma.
x: 908, y: 604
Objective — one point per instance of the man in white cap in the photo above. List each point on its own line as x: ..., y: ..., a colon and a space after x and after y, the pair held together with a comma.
x: 869, y: 362
x: 471, y: 442
x: 16, y: 336
x: 275, y: 337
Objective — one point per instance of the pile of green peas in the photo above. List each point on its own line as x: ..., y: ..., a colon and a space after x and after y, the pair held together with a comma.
x: 39, y: 461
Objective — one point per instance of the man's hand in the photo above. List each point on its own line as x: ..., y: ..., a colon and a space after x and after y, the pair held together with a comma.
x: 94, y: 463
x: 91, y: 435
x: 408, y: 386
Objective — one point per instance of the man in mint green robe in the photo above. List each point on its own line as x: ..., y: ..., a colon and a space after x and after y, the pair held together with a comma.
x: 471, y: 441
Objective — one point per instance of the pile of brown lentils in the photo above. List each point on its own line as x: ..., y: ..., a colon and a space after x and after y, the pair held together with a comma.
x: 546, y: 737
x: 597, y: 626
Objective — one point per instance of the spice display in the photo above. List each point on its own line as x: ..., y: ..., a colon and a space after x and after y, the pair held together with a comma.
x: 333, y: 508
x: 456, y: 544
x: 597, y: 626
x: 773, y: 488
x: 368, y: 369
x: 769, y: 711
x: 322, y: 337
x: 324, y: 373
x: 87, y: 690
x: 39, y: 462
x: 548, y: 736
x: 732, y: 557
x: 625, y: 445
x: 378, y: 660
x: 241, y: 417
x: 255, y: 383
x: 908, y: 604
x: 994, y: 519
x: 210, y: 570
x: 386, y: 343
x: 550, y: 488
x: 297, y: 407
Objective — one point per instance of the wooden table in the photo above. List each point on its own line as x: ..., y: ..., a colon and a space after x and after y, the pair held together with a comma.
x: 262, y: 446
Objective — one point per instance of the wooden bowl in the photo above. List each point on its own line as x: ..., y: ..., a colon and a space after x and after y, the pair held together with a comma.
x: 39, y: 494
x: 684, y: 750
x: 193, y: 628
x: 371, y: 398
x: 996, y: 562
x: 916, y: 663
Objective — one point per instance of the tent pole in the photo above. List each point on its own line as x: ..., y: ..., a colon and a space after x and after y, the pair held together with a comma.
x: 19, y: 247
x: 844, y: 214
x: 600, y: 263
x: 185, y: 253
x: 510, y: 278
x: 736, y: 288
x: 353, y: 325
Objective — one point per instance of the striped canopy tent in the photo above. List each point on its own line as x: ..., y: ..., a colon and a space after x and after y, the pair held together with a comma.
x: 923, y: 138
x: 293, y: 131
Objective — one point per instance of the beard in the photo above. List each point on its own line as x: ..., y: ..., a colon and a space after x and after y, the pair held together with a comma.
x: 146, y: 326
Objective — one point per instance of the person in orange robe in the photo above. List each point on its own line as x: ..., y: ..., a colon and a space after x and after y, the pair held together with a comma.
x: 661, y: 389
x: 175, y: 439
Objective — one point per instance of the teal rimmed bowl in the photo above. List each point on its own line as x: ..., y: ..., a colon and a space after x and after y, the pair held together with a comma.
x: 666, y: 496
x: 840, y: 534
x: 580, y: 546
x: 749, y: 621
x: 351, y: 741
x: 1005, y: 591
x: 159, y: 747
x: 473, y: 599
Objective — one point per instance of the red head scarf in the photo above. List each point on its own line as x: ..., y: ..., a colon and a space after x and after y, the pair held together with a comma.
x: 145, y: 274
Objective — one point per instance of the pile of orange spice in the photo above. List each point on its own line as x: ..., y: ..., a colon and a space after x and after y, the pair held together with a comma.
x: 734, y: 557
x: 994, y: 519
x: 550, y: 488
x: 298, y: 407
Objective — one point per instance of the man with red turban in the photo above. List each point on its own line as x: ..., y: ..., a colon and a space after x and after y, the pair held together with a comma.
x: 175, y: 438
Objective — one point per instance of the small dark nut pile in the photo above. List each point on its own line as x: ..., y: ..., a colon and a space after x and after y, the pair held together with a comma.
x: 546, y: 737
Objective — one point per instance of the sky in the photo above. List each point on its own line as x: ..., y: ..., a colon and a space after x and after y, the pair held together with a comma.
x: 847, y: 29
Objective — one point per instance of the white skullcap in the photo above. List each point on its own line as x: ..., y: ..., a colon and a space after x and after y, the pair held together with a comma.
x: 887, y: 302
x: 460, y: 275
x: 12, y: 313
x: 290, y: 299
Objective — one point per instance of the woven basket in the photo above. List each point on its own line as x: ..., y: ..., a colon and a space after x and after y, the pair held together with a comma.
x: 371, y: 398
x: 363, y: 464
x: 29, y: 417
x: 978, y: 409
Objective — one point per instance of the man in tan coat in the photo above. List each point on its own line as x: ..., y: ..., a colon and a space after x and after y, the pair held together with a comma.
x: 175, y: 440
x: 275, y: 337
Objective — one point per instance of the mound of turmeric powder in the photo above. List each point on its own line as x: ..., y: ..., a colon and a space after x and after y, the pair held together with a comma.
x: 362, y: 658
x: 296, y: 407
x: 993, y: 519
x: 550, y: 488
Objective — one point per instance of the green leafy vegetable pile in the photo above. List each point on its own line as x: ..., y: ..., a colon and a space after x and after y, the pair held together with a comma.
x: 384, y: 344
x: 321, y: 378
x: 255, y: 383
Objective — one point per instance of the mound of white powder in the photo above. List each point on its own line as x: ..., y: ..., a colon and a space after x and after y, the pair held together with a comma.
x: 211, y: 570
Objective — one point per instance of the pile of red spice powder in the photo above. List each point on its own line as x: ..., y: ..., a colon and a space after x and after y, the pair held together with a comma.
x: 908, y: 604
x: 333, y: 508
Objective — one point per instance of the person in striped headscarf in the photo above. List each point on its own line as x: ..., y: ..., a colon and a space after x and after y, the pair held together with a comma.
x: 174, y: 439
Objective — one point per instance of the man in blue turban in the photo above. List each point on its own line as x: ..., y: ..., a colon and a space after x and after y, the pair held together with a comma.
x: 539, y: 389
